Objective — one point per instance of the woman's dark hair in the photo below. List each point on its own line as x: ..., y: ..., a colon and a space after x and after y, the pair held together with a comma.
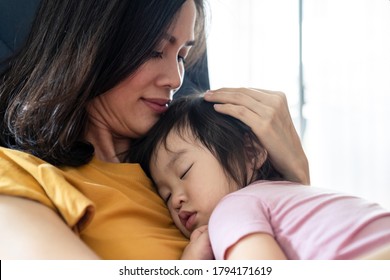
x: 231, y: 141
x: 77, y: 50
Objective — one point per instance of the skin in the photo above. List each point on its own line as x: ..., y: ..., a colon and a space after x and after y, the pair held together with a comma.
x: 379, y: 254
x: 22, y: 237
x: 266, y: 113
x: 192, y: 182
x: 257, y: 246
x: 129, y: 110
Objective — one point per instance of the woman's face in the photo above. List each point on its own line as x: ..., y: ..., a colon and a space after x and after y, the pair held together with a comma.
x: 131, y: 108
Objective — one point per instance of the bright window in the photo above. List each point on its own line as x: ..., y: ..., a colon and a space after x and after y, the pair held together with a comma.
x: 346, y: 78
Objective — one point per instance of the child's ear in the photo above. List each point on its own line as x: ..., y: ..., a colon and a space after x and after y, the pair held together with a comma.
x: 255, y: 153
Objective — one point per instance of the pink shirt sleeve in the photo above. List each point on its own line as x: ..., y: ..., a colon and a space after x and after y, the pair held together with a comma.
x: 236, y: 216
x: 307, y: 222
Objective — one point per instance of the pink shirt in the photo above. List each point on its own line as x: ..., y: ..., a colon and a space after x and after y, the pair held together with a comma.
x: 307, y: 222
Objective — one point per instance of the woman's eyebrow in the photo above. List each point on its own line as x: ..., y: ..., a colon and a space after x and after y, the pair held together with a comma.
x: 172, y: 39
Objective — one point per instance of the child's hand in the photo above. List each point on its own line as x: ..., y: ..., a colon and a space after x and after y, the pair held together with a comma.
x: 199, y: 247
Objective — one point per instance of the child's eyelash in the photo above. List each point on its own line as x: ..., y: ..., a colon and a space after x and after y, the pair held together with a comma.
x: 185, y: 172
x: 167, y: 198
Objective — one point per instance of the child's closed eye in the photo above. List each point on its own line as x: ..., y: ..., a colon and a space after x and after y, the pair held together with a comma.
x: 166, y: 197
x: 186, y: 172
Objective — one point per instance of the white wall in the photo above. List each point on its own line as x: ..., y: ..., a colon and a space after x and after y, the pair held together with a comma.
x: 347, y: 74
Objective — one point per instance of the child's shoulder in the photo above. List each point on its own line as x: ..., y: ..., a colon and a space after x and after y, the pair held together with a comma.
x: 267, y: 186
x: 274, y: 190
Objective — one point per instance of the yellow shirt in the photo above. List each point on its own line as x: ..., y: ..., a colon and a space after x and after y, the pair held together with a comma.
x: 113, y: 206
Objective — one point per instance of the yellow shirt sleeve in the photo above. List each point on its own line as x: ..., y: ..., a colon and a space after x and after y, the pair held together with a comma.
x: 26, y: 176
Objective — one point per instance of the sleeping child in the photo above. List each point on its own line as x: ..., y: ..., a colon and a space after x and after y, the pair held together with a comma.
x: 225, y: 195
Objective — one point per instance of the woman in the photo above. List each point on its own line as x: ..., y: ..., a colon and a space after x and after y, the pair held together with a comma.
x: 91, y: 77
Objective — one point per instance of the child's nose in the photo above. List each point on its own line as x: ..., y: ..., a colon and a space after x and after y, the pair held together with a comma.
x: 178, y: 200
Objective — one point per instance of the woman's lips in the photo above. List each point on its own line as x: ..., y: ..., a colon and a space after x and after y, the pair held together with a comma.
x: 187, y: 219
x: 156, y: 104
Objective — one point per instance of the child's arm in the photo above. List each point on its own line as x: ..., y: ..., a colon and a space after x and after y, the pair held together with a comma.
x: 256, y: 246
x: 378, y: 254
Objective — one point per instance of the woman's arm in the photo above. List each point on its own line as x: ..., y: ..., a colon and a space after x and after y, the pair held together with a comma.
x: 267, y: 113
x: 256, y: 246
x: 30, y: 230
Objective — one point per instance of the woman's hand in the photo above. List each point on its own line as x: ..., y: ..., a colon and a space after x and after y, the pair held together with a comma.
x: 267, y: 114
x: 199, y: 247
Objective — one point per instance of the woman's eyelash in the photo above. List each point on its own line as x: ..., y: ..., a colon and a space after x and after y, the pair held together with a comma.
x: 157, y: 54
x: 185, y: 172
x: 182, y: 59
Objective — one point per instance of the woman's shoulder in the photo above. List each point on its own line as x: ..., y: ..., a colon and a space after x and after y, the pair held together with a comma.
x: 17, y: 166
x: 16, y: 156
x: 24, y: 175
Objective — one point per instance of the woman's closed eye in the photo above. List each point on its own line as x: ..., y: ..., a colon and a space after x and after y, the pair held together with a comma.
x: 186, y: 172
x: 181, y: 59
x: 157, y: 54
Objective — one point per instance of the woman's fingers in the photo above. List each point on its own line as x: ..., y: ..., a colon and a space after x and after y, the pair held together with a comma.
x: 257, y: 108
x: 266, y: 113
x: 242, y: 102
x: 245, y: 95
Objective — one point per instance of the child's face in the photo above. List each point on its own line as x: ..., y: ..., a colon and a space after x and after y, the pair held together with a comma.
x: 190, y: 180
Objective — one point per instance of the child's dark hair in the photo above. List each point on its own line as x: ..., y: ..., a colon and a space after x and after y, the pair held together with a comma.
x: 231, y: 141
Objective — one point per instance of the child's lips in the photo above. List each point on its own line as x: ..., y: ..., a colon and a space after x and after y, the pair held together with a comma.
x: 187, y: 219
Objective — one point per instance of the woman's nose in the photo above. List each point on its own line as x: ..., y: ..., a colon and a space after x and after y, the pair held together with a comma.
x: 172, y: 75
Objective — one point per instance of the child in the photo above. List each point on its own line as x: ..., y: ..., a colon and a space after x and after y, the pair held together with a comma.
x: 201, y: 161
